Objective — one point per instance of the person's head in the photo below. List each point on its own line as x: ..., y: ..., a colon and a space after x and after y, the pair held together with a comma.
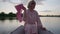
x: 31, y: 5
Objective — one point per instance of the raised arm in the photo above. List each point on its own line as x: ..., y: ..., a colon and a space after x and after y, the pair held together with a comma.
x: 24, y: 14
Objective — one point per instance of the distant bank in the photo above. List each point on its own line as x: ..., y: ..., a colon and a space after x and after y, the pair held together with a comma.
x: 13, y: 16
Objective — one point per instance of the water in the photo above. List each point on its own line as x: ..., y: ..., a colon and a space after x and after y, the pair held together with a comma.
x: 50, y: 23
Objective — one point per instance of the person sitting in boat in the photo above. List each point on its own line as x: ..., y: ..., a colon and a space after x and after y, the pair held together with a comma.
x: 31, y: 19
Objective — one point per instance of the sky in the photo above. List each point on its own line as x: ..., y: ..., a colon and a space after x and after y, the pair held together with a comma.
x: 43, y: 7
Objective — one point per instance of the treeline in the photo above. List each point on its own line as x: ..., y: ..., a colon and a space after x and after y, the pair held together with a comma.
x: 49, y: 15
x: 2, y: 14
x: 13, y: 16
x: 7, y: 16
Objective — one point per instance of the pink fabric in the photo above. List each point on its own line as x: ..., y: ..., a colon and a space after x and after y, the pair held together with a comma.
x: 18, y: 15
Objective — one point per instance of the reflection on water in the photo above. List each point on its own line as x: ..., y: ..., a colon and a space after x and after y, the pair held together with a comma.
x: 51, y: 23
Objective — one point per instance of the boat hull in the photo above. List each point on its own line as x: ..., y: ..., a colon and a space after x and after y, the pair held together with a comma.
x: 20, y: 30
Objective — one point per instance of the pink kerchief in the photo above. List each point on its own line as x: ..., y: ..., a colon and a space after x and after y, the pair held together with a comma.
x: 18, y: 15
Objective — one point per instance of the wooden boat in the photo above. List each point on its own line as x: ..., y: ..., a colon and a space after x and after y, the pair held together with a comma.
x: 20, y: 30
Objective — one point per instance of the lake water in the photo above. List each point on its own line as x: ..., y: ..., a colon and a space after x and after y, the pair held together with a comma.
x: 50, y: 23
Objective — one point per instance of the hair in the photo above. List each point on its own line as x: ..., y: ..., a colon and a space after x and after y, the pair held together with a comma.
x: 31, y: 2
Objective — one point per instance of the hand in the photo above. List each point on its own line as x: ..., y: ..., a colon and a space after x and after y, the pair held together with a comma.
x: 24, y: 8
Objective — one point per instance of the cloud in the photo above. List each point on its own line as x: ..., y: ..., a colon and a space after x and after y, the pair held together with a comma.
x: 19, y: 1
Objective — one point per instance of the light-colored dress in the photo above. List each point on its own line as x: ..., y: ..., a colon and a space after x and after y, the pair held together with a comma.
x: 31, y: 21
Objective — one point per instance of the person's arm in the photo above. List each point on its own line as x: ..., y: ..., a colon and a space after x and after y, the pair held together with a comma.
x: 39, y: 24
x: 24, y: 14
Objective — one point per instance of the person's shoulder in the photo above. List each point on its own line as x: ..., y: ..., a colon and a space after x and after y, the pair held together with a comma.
x: 35, y: 11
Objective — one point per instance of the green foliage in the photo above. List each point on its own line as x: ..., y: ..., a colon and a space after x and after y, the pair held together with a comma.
x: 4, y: 16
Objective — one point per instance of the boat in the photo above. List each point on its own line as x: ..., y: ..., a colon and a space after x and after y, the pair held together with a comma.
x: 20, y: 30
